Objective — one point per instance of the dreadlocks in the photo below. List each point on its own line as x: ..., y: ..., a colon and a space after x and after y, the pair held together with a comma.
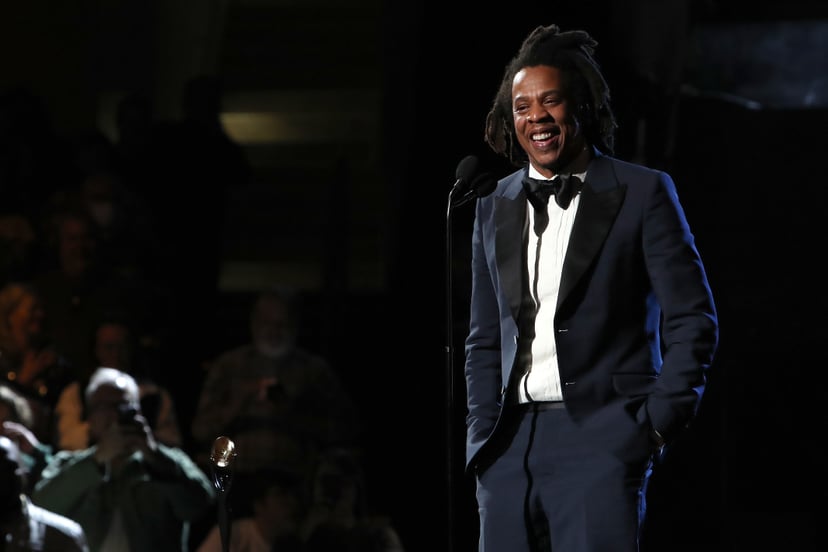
x: 572, y: 53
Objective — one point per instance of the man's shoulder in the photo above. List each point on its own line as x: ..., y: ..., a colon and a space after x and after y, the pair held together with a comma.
x: 623, y: 166
x: 606, y: 172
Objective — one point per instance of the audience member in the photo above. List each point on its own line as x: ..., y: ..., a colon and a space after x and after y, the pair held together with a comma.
x: 25, y: 527
x: 115, y: 347
x: 16, y: 422
x: 339, y: 517
x: 111, y: 196
x: 29, y: 362
x: 272, y: 524
x: 78, y: 288
x: 278, y: 402
x: 125, y: 226
x: 127, y: 490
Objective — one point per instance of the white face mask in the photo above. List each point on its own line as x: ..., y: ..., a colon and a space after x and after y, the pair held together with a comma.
x: 273, y: 350
x: 102, y: 211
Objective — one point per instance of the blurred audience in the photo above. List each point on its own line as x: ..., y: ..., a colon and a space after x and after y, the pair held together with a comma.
x: 91, y: 228
x: 340, y: 517
x: 127, y: 490
x: 115, y: 347
x: 24, y: 526
x: 278, y: 402
x: 126, y: 232
x: 16, y: 422
x: 29, y: 361
x: 79, y: 287
x: 273, y: 521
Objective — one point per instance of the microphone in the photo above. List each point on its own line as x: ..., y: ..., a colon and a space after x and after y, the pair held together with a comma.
x: 221, y: 457
x: 481, y: 186
x: 471, y: 183
x: 466, y: 170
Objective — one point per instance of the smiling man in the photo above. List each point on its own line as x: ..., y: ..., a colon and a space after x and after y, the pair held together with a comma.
x: 592, y: 323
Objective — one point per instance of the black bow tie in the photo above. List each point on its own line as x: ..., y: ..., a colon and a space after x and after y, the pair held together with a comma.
x: 564, y: 188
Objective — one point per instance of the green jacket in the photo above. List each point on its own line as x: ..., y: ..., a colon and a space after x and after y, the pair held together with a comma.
x: 157, y: 502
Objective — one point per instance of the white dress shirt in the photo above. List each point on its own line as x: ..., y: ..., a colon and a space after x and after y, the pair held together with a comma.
x: 545, y: 258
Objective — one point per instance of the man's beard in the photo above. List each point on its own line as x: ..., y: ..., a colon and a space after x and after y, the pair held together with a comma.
x: 270, y: 350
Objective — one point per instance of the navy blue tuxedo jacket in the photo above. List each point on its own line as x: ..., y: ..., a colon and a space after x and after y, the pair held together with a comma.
x: 635, y: 326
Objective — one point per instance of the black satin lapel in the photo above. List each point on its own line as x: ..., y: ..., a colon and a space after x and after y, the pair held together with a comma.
x: 510, y: 221
x: 596, y: 213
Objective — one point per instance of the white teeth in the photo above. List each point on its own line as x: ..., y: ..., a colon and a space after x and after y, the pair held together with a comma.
x: 544, y: 136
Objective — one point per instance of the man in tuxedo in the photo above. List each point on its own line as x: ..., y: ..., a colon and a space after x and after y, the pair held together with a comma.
x: 592, y: 322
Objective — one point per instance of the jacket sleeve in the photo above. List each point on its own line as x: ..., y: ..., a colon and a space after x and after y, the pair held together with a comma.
x: 689, y: 320
x: 186, y: 487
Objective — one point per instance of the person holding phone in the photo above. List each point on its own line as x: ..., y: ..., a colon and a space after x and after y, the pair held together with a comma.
x: 127, y: 490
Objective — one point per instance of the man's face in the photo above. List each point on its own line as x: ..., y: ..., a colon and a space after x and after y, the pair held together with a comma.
x: 102, y: 410
x: 112, y: 346
x: 271, y: 329
x: 544, y: 125
x: 77, y: 246
x: 27, y: 317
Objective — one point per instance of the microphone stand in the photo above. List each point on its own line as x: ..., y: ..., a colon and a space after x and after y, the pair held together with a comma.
x: 222, y: 455
x: 481, y: 185
x: 220, y: 480
x: 449, y: 378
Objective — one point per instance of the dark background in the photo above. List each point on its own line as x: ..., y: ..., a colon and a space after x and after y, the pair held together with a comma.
x: 748, y: 156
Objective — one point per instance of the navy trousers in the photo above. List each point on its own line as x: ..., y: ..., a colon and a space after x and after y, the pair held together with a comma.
x: 551, y: 485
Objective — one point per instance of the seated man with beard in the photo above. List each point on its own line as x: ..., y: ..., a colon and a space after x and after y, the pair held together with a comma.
x: 278, y: 402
